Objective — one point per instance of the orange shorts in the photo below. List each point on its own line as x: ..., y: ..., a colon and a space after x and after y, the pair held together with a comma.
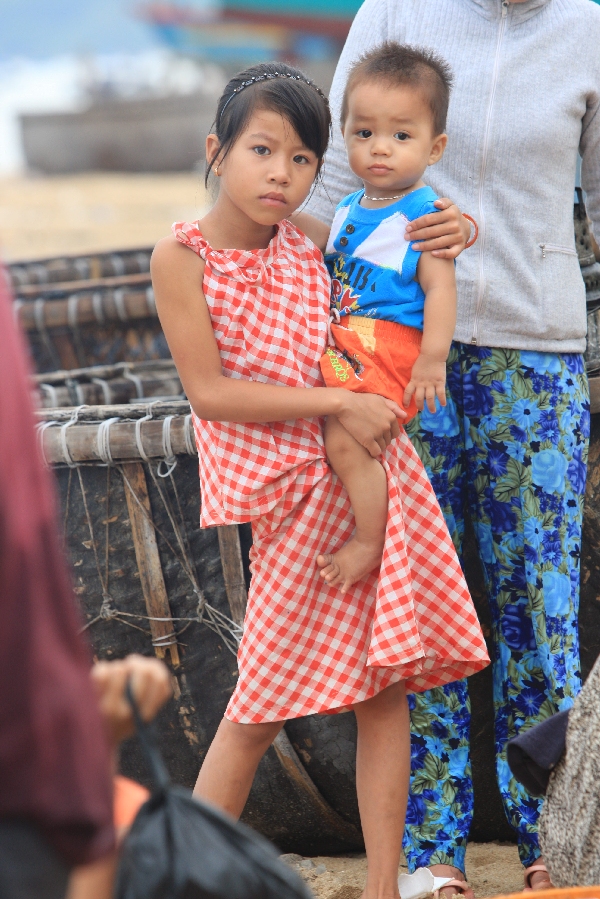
x: 129, y: 797
x: 372, y: 356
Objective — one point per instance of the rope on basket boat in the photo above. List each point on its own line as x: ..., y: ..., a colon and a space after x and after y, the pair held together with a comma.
x: 52, y: 393
x: 138, y: 433
x: 105, y: 388
x: 151, y: 302
x: 169, y: 456
x: 73, y: 322
x: 40, y: 323
x: 229, y: 632
x: 63, y: 435
x: 41, y: 428
x: 98, y: 307
x: 75, y: 391
x: 103, y: 441
x: 188, y: 428
x: 119, y: 301
x: 137, y: 382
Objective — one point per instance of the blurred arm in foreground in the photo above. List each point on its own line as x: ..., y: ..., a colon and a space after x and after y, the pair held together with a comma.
x: 151, y: 687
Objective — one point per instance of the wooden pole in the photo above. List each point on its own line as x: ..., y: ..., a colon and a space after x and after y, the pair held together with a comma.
x: 233, y: 571
x: 148, y: 562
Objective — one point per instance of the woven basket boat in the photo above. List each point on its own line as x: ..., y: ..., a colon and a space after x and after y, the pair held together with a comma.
x: 149, y: 579
x: 79, y: 267
x: 109, y: 384
x: 81, y: 323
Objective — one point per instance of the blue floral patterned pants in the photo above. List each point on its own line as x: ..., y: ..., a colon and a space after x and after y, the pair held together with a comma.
x: 509, y: 448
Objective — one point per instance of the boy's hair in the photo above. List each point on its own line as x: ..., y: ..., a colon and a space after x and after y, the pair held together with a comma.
x: 399, y: 65
x: 278, y: 87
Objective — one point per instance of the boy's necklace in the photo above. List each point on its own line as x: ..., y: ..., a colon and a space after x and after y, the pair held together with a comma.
x: 381, y: 199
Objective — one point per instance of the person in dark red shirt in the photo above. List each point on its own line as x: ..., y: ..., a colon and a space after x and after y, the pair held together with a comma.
x: 56, y: 791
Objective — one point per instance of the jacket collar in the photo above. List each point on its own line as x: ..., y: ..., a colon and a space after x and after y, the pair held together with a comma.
x: 518, y: 12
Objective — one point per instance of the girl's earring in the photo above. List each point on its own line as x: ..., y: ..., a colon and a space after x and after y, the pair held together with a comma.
x: 216, y: 169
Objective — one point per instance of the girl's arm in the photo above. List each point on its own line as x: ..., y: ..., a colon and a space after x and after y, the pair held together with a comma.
x: 428, y: 377
x: 177, y: 275
x: 313, y: 227
x: 445, y: 233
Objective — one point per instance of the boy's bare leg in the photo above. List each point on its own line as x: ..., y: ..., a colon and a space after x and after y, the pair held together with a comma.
x: 382, y: 775
x: 230, y: 765
x: 365, y: 480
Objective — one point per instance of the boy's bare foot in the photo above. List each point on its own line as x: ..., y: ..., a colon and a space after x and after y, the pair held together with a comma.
x: 353, y: 562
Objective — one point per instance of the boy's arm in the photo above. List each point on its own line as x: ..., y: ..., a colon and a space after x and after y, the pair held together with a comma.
x: 428, y: 378
x: 313, y: 227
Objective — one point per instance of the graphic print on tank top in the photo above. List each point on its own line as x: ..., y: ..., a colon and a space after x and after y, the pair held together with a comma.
x: 372, y: 266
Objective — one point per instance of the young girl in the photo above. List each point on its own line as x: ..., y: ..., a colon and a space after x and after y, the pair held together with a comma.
x: 246, y: 314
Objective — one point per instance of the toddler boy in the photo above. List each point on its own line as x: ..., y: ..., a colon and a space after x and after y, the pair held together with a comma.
x: 393, y: 308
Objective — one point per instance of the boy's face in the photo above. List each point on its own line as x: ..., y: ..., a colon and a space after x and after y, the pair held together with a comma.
x: 389, y: 137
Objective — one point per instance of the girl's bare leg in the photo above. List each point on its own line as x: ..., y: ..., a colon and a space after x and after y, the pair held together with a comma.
x: 230, y: 765
x: 365, y: 480
x: 382, y: 775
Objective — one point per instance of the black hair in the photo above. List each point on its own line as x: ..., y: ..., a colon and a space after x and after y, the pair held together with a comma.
x: 399, y: 65
x: 278, y: 87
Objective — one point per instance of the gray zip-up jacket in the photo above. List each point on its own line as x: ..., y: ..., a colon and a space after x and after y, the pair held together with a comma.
x: 525, y: 100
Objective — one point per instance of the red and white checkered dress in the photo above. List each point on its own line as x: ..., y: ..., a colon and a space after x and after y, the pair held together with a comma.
x: 306, y: 648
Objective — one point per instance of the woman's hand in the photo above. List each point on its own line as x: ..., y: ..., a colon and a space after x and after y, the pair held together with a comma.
x: 443, y: 233
x: 372, y: 420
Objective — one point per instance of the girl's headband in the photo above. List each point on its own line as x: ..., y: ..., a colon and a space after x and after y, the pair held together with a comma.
x: 267, y: 76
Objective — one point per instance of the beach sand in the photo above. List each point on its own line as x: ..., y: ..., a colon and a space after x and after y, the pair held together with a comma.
x: 492, y: 868
x: 78, y: 214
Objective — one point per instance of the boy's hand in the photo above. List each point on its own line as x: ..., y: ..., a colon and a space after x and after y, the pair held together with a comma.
x: 427, y: 381
x: 444, y: 233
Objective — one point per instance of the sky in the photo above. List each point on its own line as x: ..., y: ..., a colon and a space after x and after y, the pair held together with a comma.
x: 39, y: 29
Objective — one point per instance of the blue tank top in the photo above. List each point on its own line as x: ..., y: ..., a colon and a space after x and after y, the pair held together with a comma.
x: 372, y: 266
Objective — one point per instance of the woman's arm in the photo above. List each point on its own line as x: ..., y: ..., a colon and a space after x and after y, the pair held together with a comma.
x: 443, y: 233
x: 177, y: 275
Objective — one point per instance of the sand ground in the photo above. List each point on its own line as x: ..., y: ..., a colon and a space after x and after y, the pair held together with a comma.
x: 492, y: 869
x: 74, y: 214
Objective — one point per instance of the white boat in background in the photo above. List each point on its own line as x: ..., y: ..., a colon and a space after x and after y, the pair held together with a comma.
x: 156, y: 134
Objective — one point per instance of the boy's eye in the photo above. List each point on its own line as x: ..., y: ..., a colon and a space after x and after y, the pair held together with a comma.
x: 302, y: 160
x: 261, y: 151
x: 401, y: 135
x: 364, y: 132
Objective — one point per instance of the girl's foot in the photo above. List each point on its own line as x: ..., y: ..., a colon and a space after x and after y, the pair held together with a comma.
x: 537, y: 877
x: 353, y: 562
x: 457, y: 887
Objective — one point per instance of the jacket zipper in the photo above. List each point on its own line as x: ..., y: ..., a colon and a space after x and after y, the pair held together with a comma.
x: 488, y: 125
x: 552, y: 248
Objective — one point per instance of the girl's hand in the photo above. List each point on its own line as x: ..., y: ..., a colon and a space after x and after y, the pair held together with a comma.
x: 443, y: 233
x: 372, y: 420
x: 427, y: 381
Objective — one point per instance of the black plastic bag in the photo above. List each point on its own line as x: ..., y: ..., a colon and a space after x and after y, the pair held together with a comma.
x: 533, y: 755
x: 180, y: 848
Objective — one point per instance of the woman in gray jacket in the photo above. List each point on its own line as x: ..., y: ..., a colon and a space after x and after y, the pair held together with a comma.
x: 511, y: 445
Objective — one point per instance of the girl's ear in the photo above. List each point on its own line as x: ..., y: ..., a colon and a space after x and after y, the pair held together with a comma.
x: 212, y: 151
